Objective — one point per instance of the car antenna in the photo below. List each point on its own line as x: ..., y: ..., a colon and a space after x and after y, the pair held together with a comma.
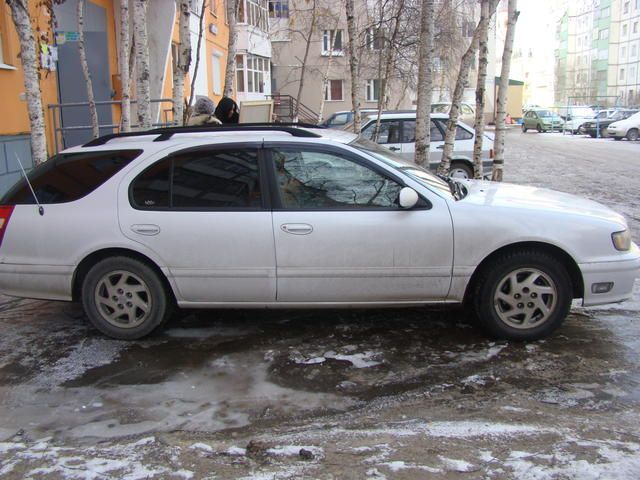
x: 40, y: 208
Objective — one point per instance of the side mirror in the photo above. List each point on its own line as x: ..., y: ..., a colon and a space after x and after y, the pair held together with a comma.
x: 408, y: 197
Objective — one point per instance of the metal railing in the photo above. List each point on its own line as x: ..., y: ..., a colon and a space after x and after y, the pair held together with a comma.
x: 59, y: 129
x: 284, y: 106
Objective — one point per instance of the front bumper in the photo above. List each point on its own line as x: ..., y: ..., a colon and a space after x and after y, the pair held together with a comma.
x: 621, y: 273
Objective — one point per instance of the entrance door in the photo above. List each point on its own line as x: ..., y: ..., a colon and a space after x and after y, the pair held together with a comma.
x: 71, y: 85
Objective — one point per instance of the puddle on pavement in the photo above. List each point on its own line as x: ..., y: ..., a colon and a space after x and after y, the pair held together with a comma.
x: 215, y: 370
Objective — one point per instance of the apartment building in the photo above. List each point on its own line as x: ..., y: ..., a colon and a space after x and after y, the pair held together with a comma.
x: 253, y: 59
x: 624, y: 52
x: 62, y: 82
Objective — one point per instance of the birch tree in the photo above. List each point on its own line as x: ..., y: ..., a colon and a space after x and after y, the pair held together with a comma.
x: 29, y: 60
x: 303, y: 68
x: 483, y: 62
x: 503, y: 86
x: 143, y: 89
x: 93, y: 112
x: 425, y: 83
x: 461, y: 83
x: 192, y: 90
x: 353, y: 65
x: 183, y: 62
x: 232, y: 11
x: 125, y: 80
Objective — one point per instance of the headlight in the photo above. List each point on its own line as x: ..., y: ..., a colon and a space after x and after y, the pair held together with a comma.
x: 621, y: 240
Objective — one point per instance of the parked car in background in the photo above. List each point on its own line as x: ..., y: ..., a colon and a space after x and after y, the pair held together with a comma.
x: 467, y: 111
x: 283, y: 217
x: 339, y: 119
x: 629, y: 128
x: 541, y: 120
x: 574, y: 117
x: 398, y: 133
x: 598, y: 126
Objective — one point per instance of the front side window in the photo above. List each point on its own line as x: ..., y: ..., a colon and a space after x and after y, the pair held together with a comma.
x: 201, y: 180
x: 69, y: 176
x: 309, y: 179
x: 461, y: 133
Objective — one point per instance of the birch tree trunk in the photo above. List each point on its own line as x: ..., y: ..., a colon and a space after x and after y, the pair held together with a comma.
x: 93, y: 113
x: 143, y: 89
x: 353, y: 66
x: 483, y: 61
x: 182, y: 62
x: 192, y: 90
x: 306, y: 57
x: 29, y: 60
x: 425, y: 84
x: 125, y: 80
x: 461, y: 83
x: 232, y: 9
x: 498, y: 159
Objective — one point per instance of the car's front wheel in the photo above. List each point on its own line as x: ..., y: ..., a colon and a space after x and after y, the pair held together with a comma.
x: 524, y: 295
x: 460, y: 170
x: 633, y: 134
x: 124, y: 298
x: 540, y: 129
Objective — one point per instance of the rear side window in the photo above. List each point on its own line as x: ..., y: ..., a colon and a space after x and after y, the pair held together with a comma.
x: 69, y: 176
x: 202, y: 180
x: 461, y: 133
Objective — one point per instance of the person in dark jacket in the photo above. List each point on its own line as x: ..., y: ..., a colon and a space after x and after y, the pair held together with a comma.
x: 227, y: 111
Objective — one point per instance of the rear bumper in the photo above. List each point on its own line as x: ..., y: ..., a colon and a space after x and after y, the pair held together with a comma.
x: 47, y: 282
x: 621, y: 273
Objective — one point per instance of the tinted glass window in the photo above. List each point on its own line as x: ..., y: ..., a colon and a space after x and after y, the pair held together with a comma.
x: 201, y: 180
x: 315, y: 180
x: 151, y: 189
x: 462, y: 134
x: 389, y: 131
x: 69, y: 176
x: 339, y: 119
x: 408, y: 131
x: 436, y: 134
x: 218, y: 179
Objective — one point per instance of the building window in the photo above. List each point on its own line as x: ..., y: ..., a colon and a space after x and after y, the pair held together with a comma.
x: 216, y: 71
x: 634, y: 51
x: 195, y: 6
x: 621, y: 77
x: 604, y: 12
x: 279, y: 8
x: 373, y: 90
x: 251, y: 72
x: 623, y: 52
x: 603, y: 34
x: 375, y: 38
x: 635, y: 27
x: 254, y: 12
x: 332, y: 42
x: 333, y: 91
x: 626, y: 7
x: 625, y: 29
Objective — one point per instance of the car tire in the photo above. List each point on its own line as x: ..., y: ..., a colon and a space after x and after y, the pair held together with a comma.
x: 617, y: 138
x: 592, y: 135
x: 540, y: 129
x: 125, y: 298
x: 460, y: 169
x: 524, y: 129
x: 525, y: 286
x: 633, y: 135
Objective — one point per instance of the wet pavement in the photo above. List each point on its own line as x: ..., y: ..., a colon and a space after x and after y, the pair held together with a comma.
x: 398, y: 393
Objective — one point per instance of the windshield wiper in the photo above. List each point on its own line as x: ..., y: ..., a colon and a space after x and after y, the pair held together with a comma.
x: 455, y: 187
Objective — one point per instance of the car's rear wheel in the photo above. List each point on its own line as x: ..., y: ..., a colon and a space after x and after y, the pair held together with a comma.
x: 524, y: 129
x: 524, y: 295
x: 617, y: 138
x: 633, y: 134
x: 460, y: 170
x: 124, y: 298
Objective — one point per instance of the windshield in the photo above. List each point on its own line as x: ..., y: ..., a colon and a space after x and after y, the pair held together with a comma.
x: 416, y: 172
x: 545, y: 113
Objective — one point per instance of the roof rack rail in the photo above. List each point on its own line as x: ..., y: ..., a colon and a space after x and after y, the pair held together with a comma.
x: 165, y: 133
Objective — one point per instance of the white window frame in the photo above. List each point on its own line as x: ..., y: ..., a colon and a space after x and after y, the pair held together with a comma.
x: 278, y: 12
x: 328, y: 41
x: 371, y: 90
x: 327, y: 92
x: 259, y: 71
x: 216, y: 77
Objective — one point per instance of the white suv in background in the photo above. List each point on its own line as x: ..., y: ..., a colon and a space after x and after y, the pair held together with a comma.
x: 629, y: 128
x: 398, y: 134
x: 271, y: 216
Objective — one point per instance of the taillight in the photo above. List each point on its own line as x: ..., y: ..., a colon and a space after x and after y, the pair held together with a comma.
x: 5, y: 215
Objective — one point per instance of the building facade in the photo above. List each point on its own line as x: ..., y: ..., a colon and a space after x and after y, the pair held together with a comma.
x: 62, y: 82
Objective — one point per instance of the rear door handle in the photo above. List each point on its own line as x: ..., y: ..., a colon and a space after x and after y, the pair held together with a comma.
x: 394, y: 149
x: 297, y: 228
x: 146, y: 229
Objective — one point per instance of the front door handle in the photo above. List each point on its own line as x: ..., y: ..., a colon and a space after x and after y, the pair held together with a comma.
x: 146, y: 229
x: 297, y: 228
x: 394, y: 149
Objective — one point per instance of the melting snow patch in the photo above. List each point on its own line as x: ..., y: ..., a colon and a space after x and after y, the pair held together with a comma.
x: 202, y: 446
x: 454, y: 465
x: 236, y: 451
x: 294, y: 450
x: 358, y: 360
x: 399, y: 465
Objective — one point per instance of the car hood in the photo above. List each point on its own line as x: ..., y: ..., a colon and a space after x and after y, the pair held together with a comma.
x: 510, y: 196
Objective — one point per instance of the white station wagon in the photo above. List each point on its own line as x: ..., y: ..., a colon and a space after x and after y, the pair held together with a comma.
x: 134, y: 224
